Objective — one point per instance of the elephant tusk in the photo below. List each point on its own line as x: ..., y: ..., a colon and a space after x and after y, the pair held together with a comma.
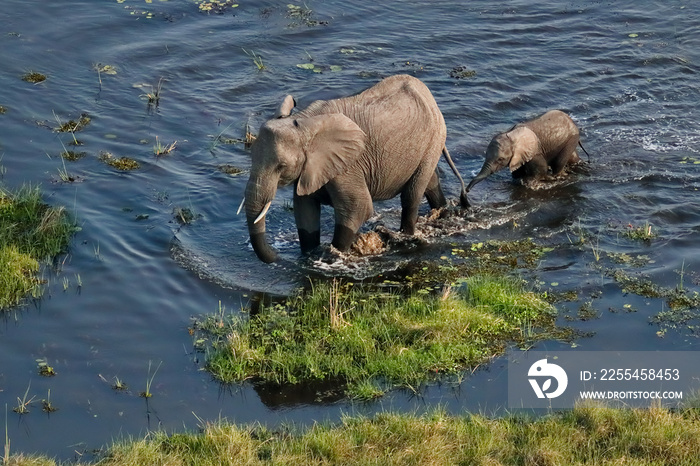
x: 240, y: 206
x: 262, y: 214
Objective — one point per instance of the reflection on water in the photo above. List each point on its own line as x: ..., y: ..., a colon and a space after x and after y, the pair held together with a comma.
x: 628, y: 77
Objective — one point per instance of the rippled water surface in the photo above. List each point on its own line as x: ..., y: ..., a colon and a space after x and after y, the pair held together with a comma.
x: 627, y: 72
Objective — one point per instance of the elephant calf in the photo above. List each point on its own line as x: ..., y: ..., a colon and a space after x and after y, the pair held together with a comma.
x: 530, y: 149
x: 347, y: 153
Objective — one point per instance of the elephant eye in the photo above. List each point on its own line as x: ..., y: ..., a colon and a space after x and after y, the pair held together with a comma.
x: 296, y: 123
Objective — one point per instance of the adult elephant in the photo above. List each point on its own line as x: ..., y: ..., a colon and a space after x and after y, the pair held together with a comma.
x: 532, y: 148
x: 347, y: 153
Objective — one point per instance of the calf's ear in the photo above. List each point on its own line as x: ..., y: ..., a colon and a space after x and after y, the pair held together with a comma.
x: 285, y: 108
x: 525, y: 146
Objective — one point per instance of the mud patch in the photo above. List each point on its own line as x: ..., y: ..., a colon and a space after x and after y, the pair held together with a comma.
x: 368, y: 244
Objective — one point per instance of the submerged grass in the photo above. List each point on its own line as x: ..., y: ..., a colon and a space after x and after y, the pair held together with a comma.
x: 588, y: 434
x: 30, y: 231
x: 368, y: 342
x: 121, y: 163
x: 34, y: 77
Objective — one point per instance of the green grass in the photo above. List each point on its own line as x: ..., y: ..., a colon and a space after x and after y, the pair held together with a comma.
x: 34, y: 77
x: 641, y: 233
x: 369, y: 343
x: 30, y: 232
x: 589, y: 434
x: 121, y: 163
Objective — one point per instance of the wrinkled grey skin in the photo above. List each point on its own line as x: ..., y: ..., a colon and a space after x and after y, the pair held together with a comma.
x: 347, y: 153
x: 531, y: 148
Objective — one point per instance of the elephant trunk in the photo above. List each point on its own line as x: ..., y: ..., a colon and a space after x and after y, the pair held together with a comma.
x: 483, y: 174
x: 258, y: 196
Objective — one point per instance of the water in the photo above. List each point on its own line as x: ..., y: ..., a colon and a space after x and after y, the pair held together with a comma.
x: 627, y: 73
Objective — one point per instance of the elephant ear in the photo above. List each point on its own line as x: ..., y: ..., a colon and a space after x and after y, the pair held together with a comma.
x: 335, y: 143
x: 285, y: 108
x: 525, y: 145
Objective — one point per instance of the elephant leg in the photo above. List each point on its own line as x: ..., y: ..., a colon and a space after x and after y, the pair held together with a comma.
x: 434, y: 194
x: 411, y: 195
x: 535, y: 169
x: 353, y: 207
x: 307, y: 213
x: 567, y: 156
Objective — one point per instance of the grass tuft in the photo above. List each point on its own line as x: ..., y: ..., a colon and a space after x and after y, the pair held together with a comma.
x: 17, y: 276
x: 30, y: 231
x: 257, y: 59
x: 369, y: 342
x: 160, y: 150
x: 34, y: 77
x: 121, y: 163
x: 642, y: 233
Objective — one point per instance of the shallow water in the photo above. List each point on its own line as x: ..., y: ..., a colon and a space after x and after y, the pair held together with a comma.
x: 628, y: 75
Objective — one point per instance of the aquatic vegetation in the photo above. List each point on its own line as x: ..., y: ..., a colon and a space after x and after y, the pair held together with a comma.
x: 72, y: 156
x: 216, y: 6
x: 30, y: 231
x: 494, y: 257
x: 642, y: 233
x: 44, y: 368
x: 247, y: 140
x: 257, y: 59
x: 302, y: 16
x: 73, y: 126
x: 149, y: 381
x: 230, y: 169
x: 319, y: 68
x: 119, y: 384
x: 152, y: 96
x: 46, y: 405
x: 588, y: 434
x: 121, y: 163
x: 34, y: 77
x: 462, y: 72
x: 63, y: 174
x: 160, y: 150
x: 683, y: 305
x: 371, y: 342
x: 638, y: 284
x: 587, y: 312
x: 184, y: 215
x: 24, y: 402
x: 639, y: 260
x: 104, y: 69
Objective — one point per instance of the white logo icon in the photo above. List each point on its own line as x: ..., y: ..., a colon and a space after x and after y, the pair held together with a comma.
x: 543, y: 369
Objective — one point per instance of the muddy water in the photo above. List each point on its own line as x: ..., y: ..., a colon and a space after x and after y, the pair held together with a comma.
x: 134, y: 275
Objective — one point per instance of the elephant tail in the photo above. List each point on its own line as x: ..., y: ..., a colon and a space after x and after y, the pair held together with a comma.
x: 584, y: 150
x: 463, y: 200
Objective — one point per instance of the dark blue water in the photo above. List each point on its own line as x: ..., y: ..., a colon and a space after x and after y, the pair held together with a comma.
x: 627, y: 72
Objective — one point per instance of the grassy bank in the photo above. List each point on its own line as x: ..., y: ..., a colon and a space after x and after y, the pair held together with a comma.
x: 589, y: 434
x: 30, y: 232
x: 368, y: 342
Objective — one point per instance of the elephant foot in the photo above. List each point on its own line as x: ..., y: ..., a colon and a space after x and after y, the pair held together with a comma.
x: 309, y: 240
x: 464, y: 200
x: 343, y: 237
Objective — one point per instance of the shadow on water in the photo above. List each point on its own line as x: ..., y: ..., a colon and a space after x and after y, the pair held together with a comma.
x: 627, y: 76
